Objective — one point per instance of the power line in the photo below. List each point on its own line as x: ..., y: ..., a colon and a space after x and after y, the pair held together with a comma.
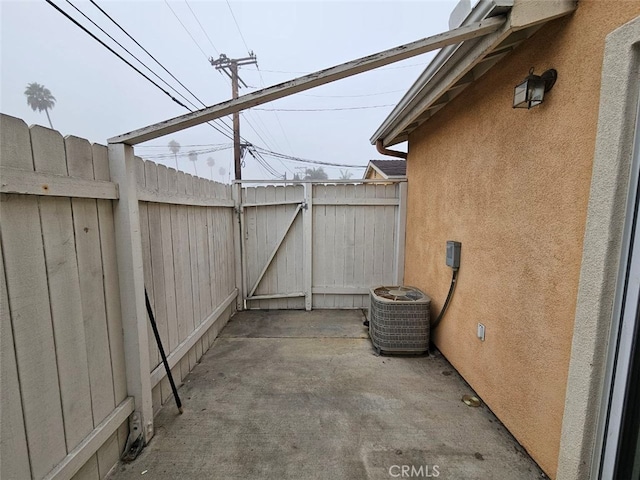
x: 190, y: 145
x: 186, y: 154
x: 187, y: 30
x: 255, y: 149
x: 133, y: 66
x: 220, y: 122
x: 262, y: 162
x: 263, y: 128
x: 216, y: 50
x: 75, y: 22
x: 321, y: 109
x: 351, y: 96
x: 238, y: 27
x: 284, y: 134
x: 381, y: 68
x: 201, y: 27
x: 254, y: 128
x: 126, y: 50
x: 305, y: 160
x: 281, y: 163
x: 145, y: 50
x: 261, y: 79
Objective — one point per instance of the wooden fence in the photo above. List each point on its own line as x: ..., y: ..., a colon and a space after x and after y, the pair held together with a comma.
x: 86, y: 229
x: 186, y: 226
x: 321, y: 246
x: 75, y: 222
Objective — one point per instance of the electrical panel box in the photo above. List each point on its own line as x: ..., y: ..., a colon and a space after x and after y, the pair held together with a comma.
x: 453, y: 254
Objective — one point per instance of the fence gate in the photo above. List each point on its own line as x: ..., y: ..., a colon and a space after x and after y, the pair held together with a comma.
x: 313, y: 245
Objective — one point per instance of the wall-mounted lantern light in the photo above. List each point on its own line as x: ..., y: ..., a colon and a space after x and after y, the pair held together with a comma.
x: 530, y: 92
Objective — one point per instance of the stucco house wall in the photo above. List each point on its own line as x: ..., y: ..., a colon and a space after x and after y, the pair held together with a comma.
x: 512, y: 185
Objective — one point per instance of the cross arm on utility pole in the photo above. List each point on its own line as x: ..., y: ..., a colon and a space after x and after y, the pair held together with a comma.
x: 230, y: 67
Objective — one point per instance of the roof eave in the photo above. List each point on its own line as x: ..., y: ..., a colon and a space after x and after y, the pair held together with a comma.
x: 457, y: 66
x: 482, y: 10
x: 372, y: 166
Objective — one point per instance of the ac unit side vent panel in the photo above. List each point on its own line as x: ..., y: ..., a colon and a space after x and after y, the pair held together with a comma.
x: 399, y: 319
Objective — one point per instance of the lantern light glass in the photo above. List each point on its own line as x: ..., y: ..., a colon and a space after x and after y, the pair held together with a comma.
x: 530, y: 92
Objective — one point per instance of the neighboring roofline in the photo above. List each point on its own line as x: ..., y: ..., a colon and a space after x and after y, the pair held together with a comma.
x: 373, y: 166
x: 457, y: 66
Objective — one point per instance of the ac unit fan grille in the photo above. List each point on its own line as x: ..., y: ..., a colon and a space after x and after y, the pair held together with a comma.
x: 399, y: 294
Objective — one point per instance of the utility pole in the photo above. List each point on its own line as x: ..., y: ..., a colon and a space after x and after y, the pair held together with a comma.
x: 230, y: 67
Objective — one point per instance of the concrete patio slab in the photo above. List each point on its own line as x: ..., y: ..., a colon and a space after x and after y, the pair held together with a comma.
x: 291, y: 395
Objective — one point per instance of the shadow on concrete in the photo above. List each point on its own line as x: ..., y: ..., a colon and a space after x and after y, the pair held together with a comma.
x: 302, y: 395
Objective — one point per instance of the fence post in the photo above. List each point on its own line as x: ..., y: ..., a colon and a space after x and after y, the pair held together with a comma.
x: 401, y: 226
x: 131, y: 276
x: 308, y: 245
x: 237, y: 242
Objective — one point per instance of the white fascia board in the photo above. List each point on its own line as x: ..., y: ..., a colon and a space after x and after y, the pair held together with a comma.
x: 435, y: 95
x: 482, y: 10
x: 452, y: 63
x: 384, y: 175
x: 369, y: 168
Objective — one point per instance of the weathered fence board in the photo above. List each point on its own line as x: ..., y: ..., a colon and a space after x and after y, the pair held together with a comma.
x: 110, y: 274
x: 186, y: 299
x: 146, y: 258
x: 13, y: 439
x: 87, y: 234
x: 187, y: 248
x: 64, y: 291
x: 28, y: 292
x: 65, y: 403
x: 157, y: 260
x: 29, y: 300
x: 61, y: 331
x: 354, y: 243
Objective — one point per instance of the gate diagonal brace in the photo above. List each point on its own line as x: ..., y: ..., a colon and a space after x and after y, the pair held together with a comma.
x: 275, y: 250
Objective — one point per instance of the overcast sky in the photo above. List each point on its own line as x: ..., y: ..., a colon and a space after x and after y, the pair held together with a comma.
x: 98, y: 96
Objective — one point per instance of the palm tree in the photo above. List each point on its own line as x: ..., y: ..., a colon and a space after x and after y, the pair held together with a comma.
x: 345, y: 174
x: 39, y: 98
x: 315, y: 174
x: 211, y: 162
x: 193, y: 156
x: 222, y: 172
x: 175, y: 148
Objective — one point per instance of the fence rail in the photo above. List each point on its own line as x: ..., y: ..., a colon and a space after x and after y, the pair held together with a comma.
x: 186, y: 227
x: 68, y: 379
x: 85, y: 229
x: 349, y: 237
x: 63, y: 372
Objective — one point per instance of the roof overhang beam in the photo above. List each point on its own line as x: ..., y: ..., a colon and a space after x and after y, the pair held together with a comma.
x: 322, y: 77
x: 437, y: 98
x: 440, y: 81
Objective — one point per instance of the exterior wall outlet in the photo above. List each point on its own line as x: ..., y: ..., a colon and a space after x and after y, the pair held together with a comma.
x: 481, y: 332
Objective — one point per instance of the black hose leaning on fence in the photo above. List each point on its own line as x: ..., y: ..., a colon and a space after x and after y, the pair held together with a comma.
x: 162, y: 354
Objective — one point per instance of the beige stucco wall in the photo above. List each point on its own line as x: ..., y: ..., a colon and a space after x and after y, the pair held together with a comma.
x: 512, y: 186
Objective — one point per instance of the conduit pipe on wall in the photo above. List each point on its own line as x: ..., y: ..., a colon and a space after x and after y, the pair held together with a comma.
x: 392, y: 153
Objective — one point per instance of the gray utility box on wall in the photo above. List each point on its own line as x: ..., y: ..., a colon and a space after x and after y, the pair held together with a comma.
x: 453, y: 254
x: 399, y: 319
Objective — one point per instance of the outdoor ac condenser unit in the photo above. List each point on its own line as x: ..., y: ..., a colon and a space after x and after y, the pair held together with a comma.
x: 399, y: 320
